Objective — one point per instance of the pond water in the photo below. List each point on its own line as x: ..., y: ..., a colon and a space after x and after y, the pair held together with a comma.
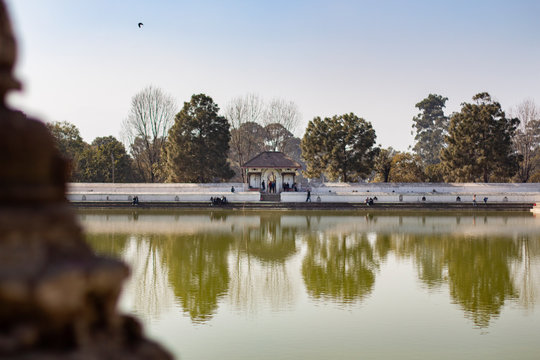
x: 329, y: 285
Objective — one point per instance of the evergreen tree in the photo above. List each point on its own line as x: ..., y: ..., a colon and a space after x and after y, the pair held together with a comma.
x: 340, y: 147
x: 198, y: 143
x: 431, y: 126
x: 406, y: 168
x: 70, y: 144
x: 479, y: 143
x: 383, y: 164
x: 106, y: 160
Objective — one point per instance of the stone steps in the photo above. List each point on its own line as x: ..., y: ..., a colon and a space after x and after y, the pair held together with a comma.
x: 270, y: 197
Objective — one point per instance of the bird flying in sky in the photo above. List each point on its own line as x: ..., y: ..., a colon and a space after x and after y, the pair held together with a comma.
x: 141, y: 25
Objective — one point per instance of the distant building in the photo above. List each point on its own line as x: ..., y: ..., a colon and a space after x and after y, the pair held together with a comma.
x: 271, y: 166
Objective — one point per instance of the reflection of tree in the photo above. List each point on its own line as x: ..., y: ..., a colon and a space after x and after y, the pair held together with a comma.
x: 479, y: 276
x: 383, y: 246
x: 260, y: 271
x: 429, y: 255
x: 198, y: 271
x: 148, y: 285
x: 108, y: 244
x: 339, y: 267
x: 526, y: 271
x: 477, y: 270
x: 270, y: 241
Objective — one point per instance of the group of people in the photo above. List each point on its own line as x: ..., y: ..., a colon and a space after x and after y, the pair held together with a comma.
x: 271, y: 186
x: 216, y: 201
x: 287, y: 187
x: 474, y: 200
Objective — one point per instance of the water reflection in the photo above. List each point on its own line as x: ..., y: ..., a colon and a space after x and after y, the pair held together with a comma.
x: 260, y: 273
x: 110, y: 243
x: 270, y: 240
x: 479, y: 276
x: 339, y: 267
x: 150, y: 291
x: 198, y: 271
x: 525, y: 271
x: 254, y: 261
x: 477, y: 270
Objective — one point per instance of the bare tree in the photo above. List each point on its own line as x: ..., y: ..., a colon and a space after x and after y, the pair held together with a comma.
x: 244, y: 109
x: 244, y: 113
x: 527, y: 138
x: 145, y: 129
x: 257, y: 126
x: 280, y: 114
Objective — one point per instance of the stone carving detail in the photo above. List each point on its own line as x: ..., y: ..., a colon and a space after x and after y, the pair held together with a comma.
x: 58, y: 300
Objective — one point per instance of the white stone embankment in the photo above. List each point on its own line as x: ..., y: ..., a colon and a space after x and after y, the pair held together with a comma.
x: 328, y: 192
x: 421, y: 192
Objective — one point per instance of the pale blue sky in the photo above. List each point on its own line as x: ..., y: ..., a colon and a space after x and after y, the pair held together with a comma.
x: 82, y: 60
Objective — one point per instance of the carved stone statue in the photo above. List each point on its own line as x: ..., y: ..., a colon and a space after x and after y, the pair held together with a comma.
x: 57, y: 298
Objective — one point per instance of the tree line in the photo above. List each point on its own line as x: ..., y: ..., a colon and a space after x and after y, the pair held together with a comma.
x: 162, y: 143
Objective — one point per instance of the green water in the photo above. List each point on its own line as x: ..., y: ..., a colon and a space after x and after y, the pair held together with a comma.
x: 329, y: 285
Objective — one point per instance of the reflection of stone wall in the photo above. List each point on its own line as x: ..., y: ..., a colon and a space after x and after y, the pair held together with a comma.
x: 330, y: 222
x: 57, y: 299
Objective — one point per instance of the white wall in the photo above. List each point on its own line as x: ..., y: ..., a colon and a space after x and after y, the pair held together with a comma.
x: 328, y: 192
x: 414, y: 192
x: 153, y: 188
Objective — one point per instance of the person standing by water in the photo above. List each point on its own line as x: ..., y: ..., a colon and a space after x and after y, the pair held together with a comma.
x: 474, y: 200
x: 308, y: 198
x: 262, y: 185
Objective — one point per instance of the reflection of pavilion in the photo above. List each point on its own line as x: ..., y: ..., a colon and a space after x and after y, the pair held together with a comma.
x: 271, y: 241
x: 271, y: 166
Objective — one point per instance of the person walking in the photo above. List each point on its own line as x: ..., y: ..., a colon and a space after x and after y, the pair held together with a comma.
x: 308, y: 198
x: 262, y: 185
x: 474, y: 200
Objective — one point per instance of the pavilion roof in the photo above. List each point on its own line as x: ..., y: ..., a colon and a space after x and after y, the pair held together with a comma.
x: 272, y: 159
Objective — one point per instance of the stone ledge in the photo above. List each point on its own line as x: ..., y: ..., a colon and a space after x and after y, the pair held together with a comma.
x: 269, y: 206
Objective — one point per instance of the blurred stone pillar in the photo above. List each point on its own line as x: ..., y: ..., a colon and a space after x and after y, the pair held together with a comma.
x: 58, y: 300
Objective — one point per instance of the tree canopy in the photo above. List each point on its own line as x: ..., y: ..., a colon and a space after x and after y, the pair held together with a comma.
x: 105, y: 160
x: 149, y: 119
x: 198, y: 143
x: 406, y: 168
x: 258, y: 126
x: 383, y: 164
x: 479, y: 143
x: 527, y: 140
x: 340, y: 147
x: 246, y: 141
x: 69, y: 143
x: 431, y: 126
